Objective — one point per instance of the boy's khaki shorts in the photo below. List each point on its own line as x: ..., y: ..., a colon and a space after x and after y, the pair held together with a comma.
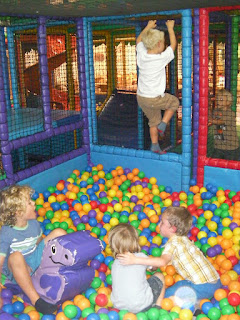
x: 152, y: 107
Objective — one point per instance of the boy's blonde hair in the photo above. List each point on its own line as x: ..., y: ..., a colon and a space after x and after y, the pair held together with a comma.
x: 227, y: 93
x: 180, y: 218
x: 123, y: 238
x: 151, y: 37
x: 13, y: 200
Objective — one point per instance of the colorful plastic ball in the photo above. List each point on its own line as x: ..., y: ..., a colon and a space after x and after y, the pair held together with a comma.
x: 206, y: 307
x: 214, y: 313
x: 96, y: 283
x: 234, y: 299
x: 185, y: 314
x: 6, y: 294
x: 228, y: 310
x: 24, y: 316
x: 93, y: 316
x: 18, y: 307
x: 113, y: 315
x: 8, y: 308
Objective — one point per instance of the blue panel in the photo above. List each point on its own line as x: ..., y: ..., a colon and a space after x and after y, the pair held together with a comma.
x: 167, y: 173
x: 225, y: 178
x: 50, y: 177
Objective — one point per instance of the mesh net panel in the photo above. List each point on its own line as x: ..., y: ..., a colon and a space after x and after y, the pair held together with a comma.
x: 115, y: 70
x: 223, y: 115
x: 47, y: 149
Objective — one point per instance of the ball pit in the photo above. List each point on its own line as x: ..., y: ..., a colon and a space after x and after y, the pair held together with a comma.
x: 96, y: 200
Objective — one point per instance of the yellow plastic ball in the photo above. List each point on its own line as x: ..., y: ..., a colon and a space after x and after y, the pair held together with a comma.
x: 110, y: 209
x: 236, y: 231
x: 65, y: 213
x: 101, y: 174
x: 212, y: 241
x: 168, y: 202
x: 69, y: 222
x: 216, y: 203
x: 117, y: 207
x: 155, y: 191
x: 57, y: 214
x: 139, y: 188
x: 28, y: 309
x: 107, y: 226
x: 157, y: 240
x: 51, y: 199
x: 108, y: 250
x: 201, y: 234
x: 109, y: 183
x: 185, y: 314
x: 182, y: 196
x: 226, y: 222
x: 227, y: 234
x: 233, y: 274
x: 221, y: 199
x: 203, y: 189
x: 71, y: 180
x: 72, y: 196
x: 140, y: 195
x: 87, y: 207
x: 114, y: 222
x: 142, y: 241
x: 212, y: 226
x: 40, y: 201
x: 153, y: 180
x: 236, y: 239
x: 112, y: 193
x: 151, y: 213
x: 40, y: 219
x: 133, y: 217
x: 208, y: 214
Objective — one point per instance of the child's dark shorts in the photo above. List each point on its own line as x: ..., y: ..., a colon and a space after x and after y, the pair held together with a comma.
x: 152, y: 107
x: 156, y: 285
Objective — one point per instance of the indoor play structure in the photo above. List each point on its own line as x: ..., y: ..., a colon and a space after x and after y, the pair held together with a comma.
x: 70, y: 127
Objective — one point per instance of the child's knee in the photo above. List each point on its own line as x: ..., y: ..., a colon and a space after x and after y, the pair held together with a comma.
x: 58, y: 233
x: 160, y: 276
x: 14, y: 258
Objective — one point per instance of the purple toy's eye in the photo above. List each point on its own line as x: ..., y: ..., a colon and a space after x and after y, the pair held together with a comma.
x: 66, y: 256
x: 53, y: 249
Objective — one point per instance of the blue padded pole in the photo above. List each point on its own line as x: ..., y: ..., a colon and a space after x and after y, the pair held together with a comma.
x: 186, y: 97
x: 196, y: 91
x: 5, y: 68
x: 13, y: 68
x: 140, y: 114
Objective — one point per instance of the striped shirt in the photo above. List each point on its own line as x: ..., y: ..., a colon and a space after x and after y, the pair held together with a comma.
x: 189, y: 261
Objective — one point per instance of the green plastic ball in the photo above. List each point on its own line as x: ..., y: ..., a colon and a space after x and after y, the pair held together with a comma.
x: 109, y: 278
x: 49, y: 226
x: 141, y: 174
x: 81, y: 226
x: 63, y: 225
x: 103, y: 316
x: 49, y: 214
x: 70, y: 311
x: 121, y: 314
x: 142, y: 316
x: 228, y: 310
x: 156, y: 252
x: 123, y: 219
x: 153, y: 314
x: 96, y: 283
x: 87, y: 311
x: 214, y: 314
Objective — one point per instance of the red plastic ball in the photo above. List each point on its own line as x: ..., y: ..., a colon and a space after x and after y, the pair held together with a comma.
x: 234, y: 299
x: 194, y: 231
x: 103, y: 268
x: 233, y: 259
x: 101, y: 300
x: 103, y: 207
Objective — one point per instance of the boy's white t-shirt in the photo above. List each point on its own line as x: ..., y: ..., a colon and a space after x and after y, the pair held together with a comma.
x: 152, y: 73
x: 130, y: 289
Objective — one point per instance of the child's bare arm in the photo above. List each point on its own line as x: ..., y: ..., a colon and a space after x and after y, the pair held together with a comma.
x: 151, y: 25
x: 129, y: 258
x: 172, y: 37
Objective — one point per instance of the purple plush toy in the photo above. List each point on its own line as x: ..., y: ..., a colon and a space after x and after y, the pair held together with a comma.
x: 63, y: 272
